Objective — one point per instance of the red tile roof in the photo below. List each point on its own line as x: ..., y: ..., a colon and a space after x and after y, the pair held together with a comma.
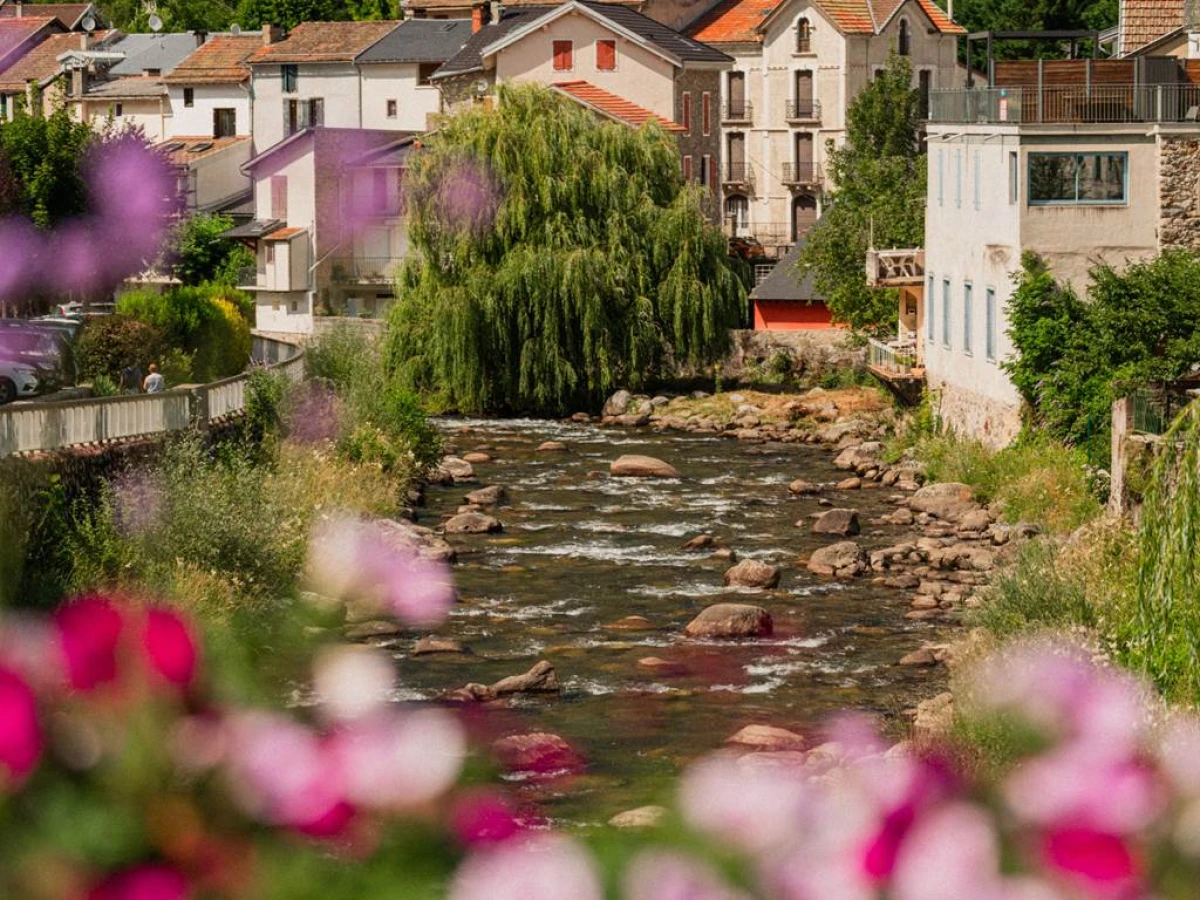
x: 219, y: 60
x: 941, y: 21
x: 16, y: 33
x: 850, y: 16
x: 1144, y: 21
x: 67, y: 13
x: 732, y: 22
x: 283, y: 234
x: 41, y: 62
x: 611, y: 105
x: 323, y: 42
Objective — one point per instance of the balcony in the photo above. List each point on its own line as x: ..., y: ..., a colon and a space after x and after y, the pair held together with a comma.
x: 1054, y: 105
x: 247, y: 278
x: 801, y: 174
x: 738, y: 175
x: 896, y: 365
x: 804, y: 110
x: 365, y: 269
x: 737, y: 111
x: 895, y: 268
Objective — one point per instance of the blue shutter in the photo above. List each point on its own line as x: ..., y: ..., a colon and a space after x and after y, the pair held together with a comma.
x: 991, y: 323
x: 967, y: 318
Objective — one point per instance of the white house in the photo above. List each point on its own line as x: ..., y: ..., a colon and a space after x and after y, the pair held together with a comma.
x: 798, y: 65
x: 397, y: 93
x: 209, y: 91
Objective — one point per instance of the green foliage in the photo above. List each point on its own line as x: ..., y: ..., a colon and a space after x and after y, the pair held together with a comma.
x: 39, y: 166
x: 108, y: 344
x: 289, y: 13
x: 879, y: 179
x: 207, y: 323
x: 103, y: 386
x: 202, y: 255
x: 560, y: 257
x: 266, y: 397
x: 1035, y: 593
x: 1075, y: 357
x: 1034, y: 15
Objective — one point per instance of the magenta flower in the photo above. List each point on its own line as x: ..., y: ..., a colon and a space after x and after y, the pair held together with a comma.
x: 170, y: 647
x: 314, y: 415
x: 541, y: 867
x: 89, y: 630
x: 148, y: 882
x: 20, y: 732
x: 952, y: 853
x: 1102, y: 862
x: 663, y: 875
x: 483, y: 817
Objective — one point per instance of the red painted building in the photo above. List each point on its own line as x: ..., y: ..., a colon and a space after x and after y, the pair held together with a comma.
x: 787, y: 299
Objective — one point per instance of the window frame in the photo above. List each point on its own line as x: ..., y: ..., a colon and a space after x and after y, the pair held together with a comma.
x: 189, y: 97
x: 990, y: 336
x: 391, y: 108
x: 930, y: 305
x: 223, y: 112
x: 606, y: 42
x: 803, y: 35
x: 1123, y: 154
x: 279, y: 196
x: 564, y: 49
x: 687, y: 168
x: 904, y: 39
x: 946, y: 318
x: 686, y: 111
x: 706, y: 113
x: 968, y: 317
x: 289, y: 77
x: 1014, y: 178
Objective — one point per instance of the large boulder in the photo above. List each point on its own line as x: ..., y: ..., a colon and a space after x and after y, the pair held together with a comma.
x: 458, y: 469
x: 539, y: 753
x: 752, y: 573
x: 472, y: 523
x: 541, y: 679
x: 859, y: 457
x: 843, y: 559
x: 424, y: 542
x: 731, y: 620
x: 767, y: 738
x: 839, y: 522
x: 945, y: 500
x: 492, y: 495
x: 617, y: 404
x: 635, y: 466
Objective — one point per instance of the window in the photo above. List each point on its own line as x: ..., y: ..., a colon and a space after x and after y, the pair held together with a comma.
x: 606, y: 56
x: 119, y: 109
x: 316, y: 112
x: 941, y: 176
x: 3, y: 106
x: 930, y: 301
x: 687, y: 169
x: 279, y: 198
x: 224, y: 123
x: 270, y: 253
x: 990, y: 312
x: 379, y: 191
x: 968, y: 299
x: 687, y: 112
x: 189, y: 97
x: 290, y: 76
x: 1077, y: 178
x: 564, y: 56
x: 425, y: 73
x: 707, y: 176
x: 904, y: 42
x: 946, y: 313
x: 391, y: 109
x: 706, y: 113
x: 958, y: 178
x: 803, y: 36
x: 978, y: 182
x: 1014, y: 178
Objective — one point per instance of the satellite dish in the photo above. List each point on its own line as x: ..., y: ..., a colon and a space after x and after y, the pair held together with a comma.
x: 235, y: 29
x: 156, y: 23
x: 481, y: 86
x: 89, y: 24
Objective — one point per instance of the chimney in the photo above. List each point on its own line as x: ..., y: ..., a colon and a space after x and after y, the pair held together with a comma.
x: 497, y: 11
x: 20, y: 8
x: 950, y: 9
x: 200, y: 36
x: 476, y: 17
x: 272, y: 34
x: 85, y: 40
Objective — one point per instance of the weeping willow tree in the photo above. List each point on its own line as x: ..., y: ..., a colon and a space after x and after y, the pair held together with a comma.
x: 560, y: 257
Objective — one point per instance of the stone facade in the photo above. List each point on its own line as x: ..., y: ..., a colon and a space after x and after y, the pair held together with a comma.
x: 696, y: 84
x: 1179, y: 192
x: 995, y: 423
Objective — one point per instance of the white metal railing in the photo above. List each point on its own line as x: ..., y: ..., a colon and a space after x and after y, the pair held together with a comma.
x: 895, y: 268
x: 897, y: 359
x: 42, y: 427
x: 1068, y: 105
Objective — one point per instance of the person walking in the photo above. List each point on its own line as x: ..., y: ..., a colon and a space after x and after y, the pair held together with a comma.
x: 154, y: 383
x: 131, y: 379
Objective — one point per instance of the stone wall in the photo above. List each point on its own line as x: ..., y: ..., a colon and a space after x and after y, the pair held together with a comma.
x: 695, y: 143
x: 966, y: 412
x: 1179, y: 193
x: 812, y: 353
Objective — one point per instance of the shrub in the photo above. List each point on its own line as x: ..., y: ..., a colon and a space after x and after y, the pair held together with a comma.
x: 202, y: 255
x: 110, y: 343
x: 208, y: 323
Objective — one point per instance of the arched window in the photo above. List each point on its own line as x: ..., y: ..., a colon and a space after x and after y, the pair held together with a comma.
x: 904, y: 47
x: 803, y: 36
x: 737, y: 215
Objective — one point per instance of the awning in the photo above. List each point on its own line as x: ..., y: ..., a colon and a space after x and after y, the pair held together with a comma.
x: 285, y: 234
x: 252, y: 230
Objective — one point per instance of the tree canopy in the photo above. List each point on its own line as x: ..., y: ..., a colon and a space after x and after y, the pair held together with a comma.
x: 40, y: 156
x: 560, y: 256
x: 879, y: 177
x: 202, y: 255
x: 1034, y: 15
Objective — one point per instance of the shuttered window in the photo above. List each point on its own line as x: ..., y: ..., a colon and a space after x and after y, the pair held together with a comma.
x: 687, y: 112
x: 706, y: 113
x: 606, y: 56
x: 687, y: 169
x: 278, y: 196
x: 564, y: 52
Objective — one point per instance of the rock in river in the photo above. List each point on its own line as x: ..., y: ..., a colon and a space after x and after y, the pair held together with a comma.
x: 617, y: 404
x: 552, y: 447
x: 699, y: 542
x: 635, y: 466
x: 472, y: 523
x: 840, y: 522
x: 843, y: 559
x: 433, y: 644
x: 541, y: 679
x: 800, y: 486
x: 752, y: 573
x: 731, y: 620
x: 492, y: 495
x: 538, y: 753
x: 642, y: 817
x: 946, y: 500
x: 766, y: 737
x: 476, y: 456
x: 458, y: 469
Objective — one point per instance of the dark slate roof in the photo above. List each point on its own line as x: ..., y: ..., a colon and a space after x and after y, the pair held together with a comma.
x: 421, y: 41
x: 470, y: 57
x: 151, y: 51
x: 785, y: 283
x: 668, y: 39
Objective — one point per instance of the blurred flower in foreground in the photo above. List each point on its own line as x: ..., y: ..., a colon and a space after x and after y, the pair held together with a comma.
x: 20, y: 732
x: 149, y: 882
x: 539, y: 867
x: 663, y: 875
x: 483, y: 817
x: 364, y: 562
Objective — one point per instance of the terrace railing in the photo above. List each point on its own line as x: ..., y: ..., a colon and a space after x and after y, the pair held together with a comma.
x: 894, y: 361
x: 1068, y: 105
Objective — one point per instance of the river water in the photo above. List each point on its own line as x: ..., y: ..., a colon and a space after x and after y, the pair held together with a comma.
x: 581, y: 550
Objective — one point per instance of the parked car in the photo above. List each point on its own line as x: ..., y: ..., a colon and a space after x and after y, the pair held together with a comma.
x: 43, y: 347
x: 75, y: 309
x: 18, y: 379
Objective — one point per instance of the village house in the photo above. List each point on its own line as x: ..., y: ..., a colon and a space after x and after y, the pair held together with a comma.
x: 1159, y: 28
x: 39, y: 72
x: 72, y: 16
x: 611, y: 59
x: 18, y: 36
x: 1083, y: 162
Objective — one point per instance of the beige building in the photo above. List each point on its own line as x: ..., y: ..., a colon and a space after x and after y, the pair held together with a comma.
x: 798, y: 65
x: 1159, y: 28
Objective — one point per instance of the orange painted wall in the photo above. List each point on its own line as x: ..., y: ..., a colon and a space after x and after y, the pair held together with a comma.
x: 784, y: 315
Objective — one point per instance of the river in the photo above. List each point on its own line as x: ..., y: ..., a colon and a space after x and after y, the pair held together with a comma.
x: 581, y: 550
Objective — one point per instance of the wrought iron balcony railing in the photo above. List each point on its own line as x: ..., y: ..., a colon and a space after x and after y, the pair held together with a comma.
x: 801, y: 173
x: 365, y: 269
x: 737, y: 111
x: 738, y: 173
x: 804, y: 110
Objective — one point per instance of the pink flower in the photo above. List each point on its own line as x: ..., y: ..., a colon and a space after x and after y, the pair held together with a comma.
x: 662, y: 875
x: 148, y: 882
x: 169, y: 647
x: 951, y: 853
x: 89, y: 630
x: 20, y: 735
x: 483, y: 817
x: 541, y: 867
x: 1100, y: 860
